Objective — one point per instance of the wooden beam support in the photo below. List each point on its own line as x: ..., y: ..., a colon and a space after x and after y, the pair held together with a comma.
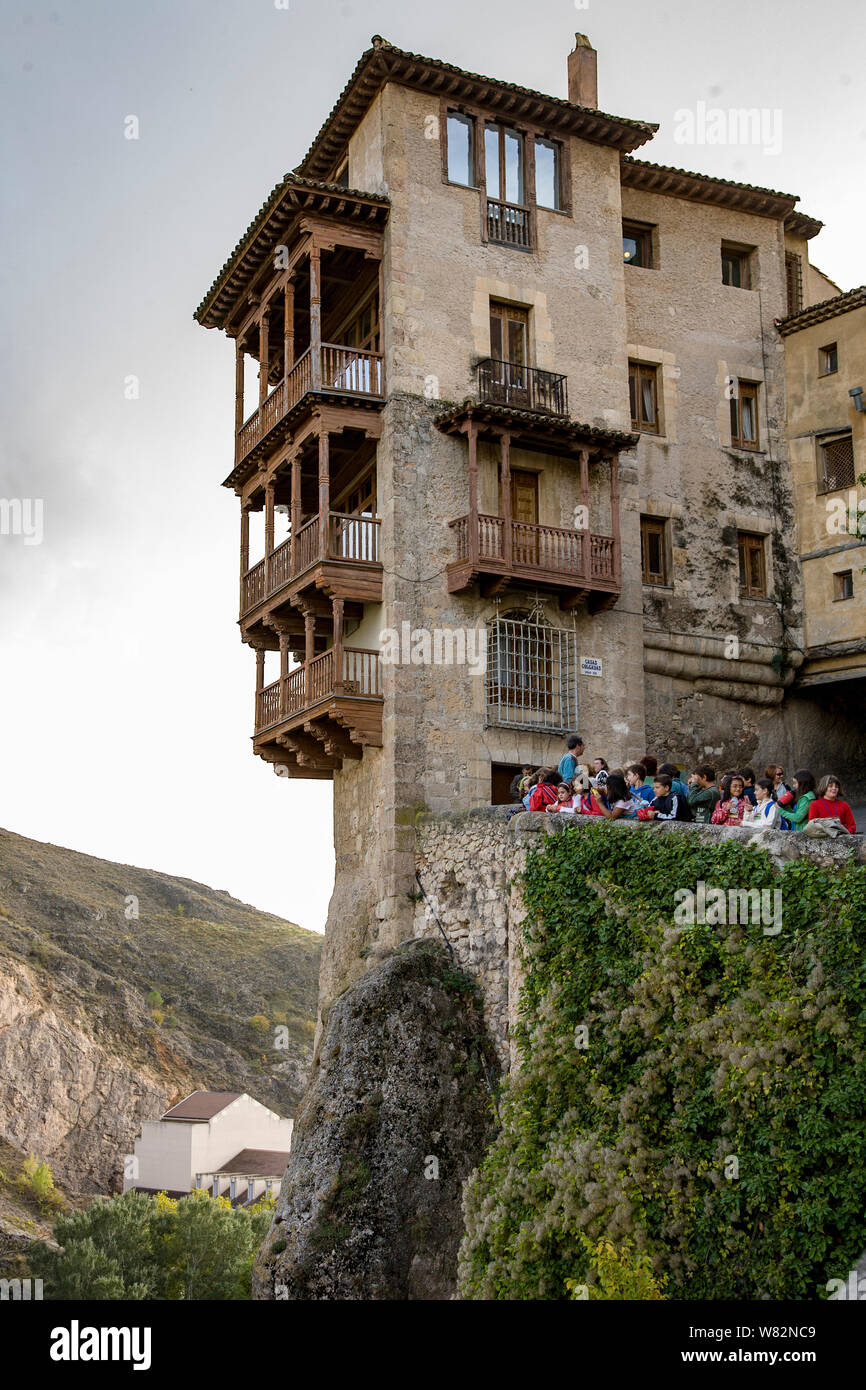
x: 505, y: 491
x: 316, y: 317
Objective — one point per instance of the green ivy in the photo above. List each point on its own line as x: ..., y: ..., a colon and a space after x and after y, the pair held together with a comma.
x: 716, y: 1118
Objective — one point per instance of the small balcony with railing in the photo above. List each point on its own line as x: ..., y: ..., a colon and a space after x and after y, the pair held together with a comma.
x: 314, y: 337
x: 519, y: 387
x: 581, y: 564
x: 339, y: 557
x: 324, y: 711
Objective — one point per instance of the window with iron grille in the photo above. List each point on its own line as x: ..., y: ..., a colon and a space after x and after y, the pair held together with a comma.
x: 836, y: 463
x: 794, y: 281
x: 531, y: 675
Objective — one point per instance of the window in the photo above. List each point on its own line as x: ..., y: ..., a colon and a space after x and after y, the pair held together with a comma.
x: 460, y: 144
x: 744, y: 416
x: 836, y: 462
x: 531, y: 674
x: 643, y: 396
x: 637, y: 245
x: 503, y: 158
x: 828, y: 360
x: 548, y: 189
x: 509, y: 328
x: 735, y: 267
x: 794, y: 281
x: 843, y: 585
x: 653, y: 556
x: 753, y: 570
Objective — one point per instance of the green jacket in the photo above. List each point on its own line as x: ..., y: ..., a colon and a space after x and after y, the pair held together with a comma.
x: 703, y: 801
x: 798, y: 814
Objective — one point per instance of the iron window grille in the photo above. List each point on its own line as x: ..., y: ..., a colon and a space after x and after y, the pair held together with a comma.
x: 531, y: 675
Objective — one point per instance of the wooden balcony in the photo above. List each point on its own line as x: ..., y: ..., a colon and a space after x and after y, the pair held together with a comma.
x: 342, y: 560
x: 580, y: 565
x: 318, y: 715
x: 522, y: 388
x: 509, y: 224
x: 335, y: 370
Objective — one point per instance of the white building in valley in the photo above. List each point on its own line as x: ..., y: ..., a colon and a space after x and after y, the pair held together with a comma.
x: 223, y: 1141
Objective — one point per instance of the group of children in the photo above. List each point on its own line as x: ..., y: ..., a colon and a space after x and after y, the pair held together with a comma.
x: 649, y: 791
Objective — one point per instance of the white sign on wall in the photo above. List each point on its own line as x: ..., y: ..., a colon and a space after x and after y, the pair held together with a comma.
x: 590, y: 666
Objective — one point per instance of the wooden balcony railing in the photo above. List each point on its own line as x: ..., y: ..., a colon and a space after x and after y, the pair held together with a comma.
x: 575, y: 555
x: 357, y: 372
x: 314, y: 682
x: 522, y: 388
x: 509, y: 224
x: 354, y: 538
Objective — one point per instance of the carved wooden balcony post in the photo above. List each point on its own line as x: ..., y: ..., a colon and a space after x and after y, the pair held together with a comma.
x: 289, y: 329
x: 324, y: 492
x: 472, y: 431
x: 260, y: 682
x: 245, y: 547
x: 263, y: 355
x: 296, y: 506
x: 505, y: 491
x: 269, y: 532
x: 614, y: 516
x: 316, y: 317
x: 309, y: 652
x: 239, y: 385
x: 337, y: 605
x: 283, y: 630
x: 585, y: 545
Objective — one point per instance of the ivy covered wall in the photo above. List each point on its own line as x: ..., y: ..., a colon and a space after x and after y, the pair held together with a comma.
x: 692, y: 1091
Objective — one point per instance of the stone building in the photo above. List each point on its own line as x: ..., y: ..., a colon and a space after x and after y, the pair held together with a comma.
x: 518, y: 462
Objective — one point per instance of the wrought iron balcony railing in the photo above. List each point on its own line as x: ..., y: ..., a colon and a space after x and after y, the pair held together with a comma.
x: 522, y: 388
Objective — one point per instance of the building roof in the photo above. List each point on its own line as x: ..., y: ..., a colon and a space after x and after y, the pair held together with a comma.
x: 292, y: 196
x: 201, y: 1105
x: 703, y: 188
x: 535, y: 430
x: 827, y: 309
x: 256, y: 1163
x: 383, y: 62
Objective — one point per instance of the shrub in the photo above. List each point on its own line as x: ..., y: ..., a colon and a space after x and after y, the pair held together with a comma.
x: 37, y: 1182
x: 260, y: 1023
x: 717, y: 1116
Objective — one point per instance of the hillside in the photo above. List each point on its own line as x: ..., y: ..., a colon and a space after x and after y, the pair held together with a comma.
x: 107, y: 1018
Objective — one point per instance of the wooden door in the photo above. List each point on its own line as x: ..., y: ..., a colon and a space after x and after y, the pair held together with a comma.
x: 509, y: 348
x: 524, y: 516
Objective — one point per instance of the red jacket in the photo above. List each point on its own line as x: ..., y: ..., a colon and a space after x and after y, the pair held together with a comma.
x: 821, y: 807
x: 541, y: 796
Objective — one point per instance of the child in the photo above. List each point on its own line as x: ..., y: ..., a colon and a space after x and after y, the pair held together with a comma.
x: 765, y: 812
x: 704, y: 795
x: 617, y: 800
x: 564, y: 798
x: 666, y: 803
x: 543, y: 794
x: 732, y: 808
x: 677, y: 784
x: 827, y: 803
x: 635, y: 777
x: 583, y: 801
x: 795, y: 817
x: 748, y: 777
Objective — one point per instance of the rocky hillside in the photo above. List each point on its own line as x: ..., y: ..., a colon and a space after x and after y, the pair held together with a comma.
x: 122, y: 989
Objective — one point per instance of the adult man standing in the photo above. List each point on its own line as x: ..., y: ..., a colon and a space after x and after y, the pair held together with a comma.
x: 569, y: 760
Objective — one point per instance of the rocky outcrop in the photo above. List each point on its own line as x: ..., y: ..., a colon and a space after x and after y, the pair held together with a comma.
x: 396, y: 1117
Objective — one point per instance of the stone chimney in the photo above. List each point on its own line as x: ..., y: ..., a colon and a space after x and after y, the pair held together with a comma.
x: 583, y: 73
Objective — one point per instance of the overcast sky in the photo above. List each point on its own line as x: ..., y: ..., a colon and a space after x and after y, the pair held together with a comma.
x: 126, y: 696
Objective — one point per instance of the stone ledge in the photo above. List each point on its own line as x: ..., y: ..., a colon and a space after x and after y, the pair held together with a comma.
x: 782, y: 845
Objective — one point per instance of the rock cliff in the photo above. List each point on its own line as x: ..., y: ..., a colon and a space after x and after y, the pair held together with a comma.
x: 396, y: 1117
